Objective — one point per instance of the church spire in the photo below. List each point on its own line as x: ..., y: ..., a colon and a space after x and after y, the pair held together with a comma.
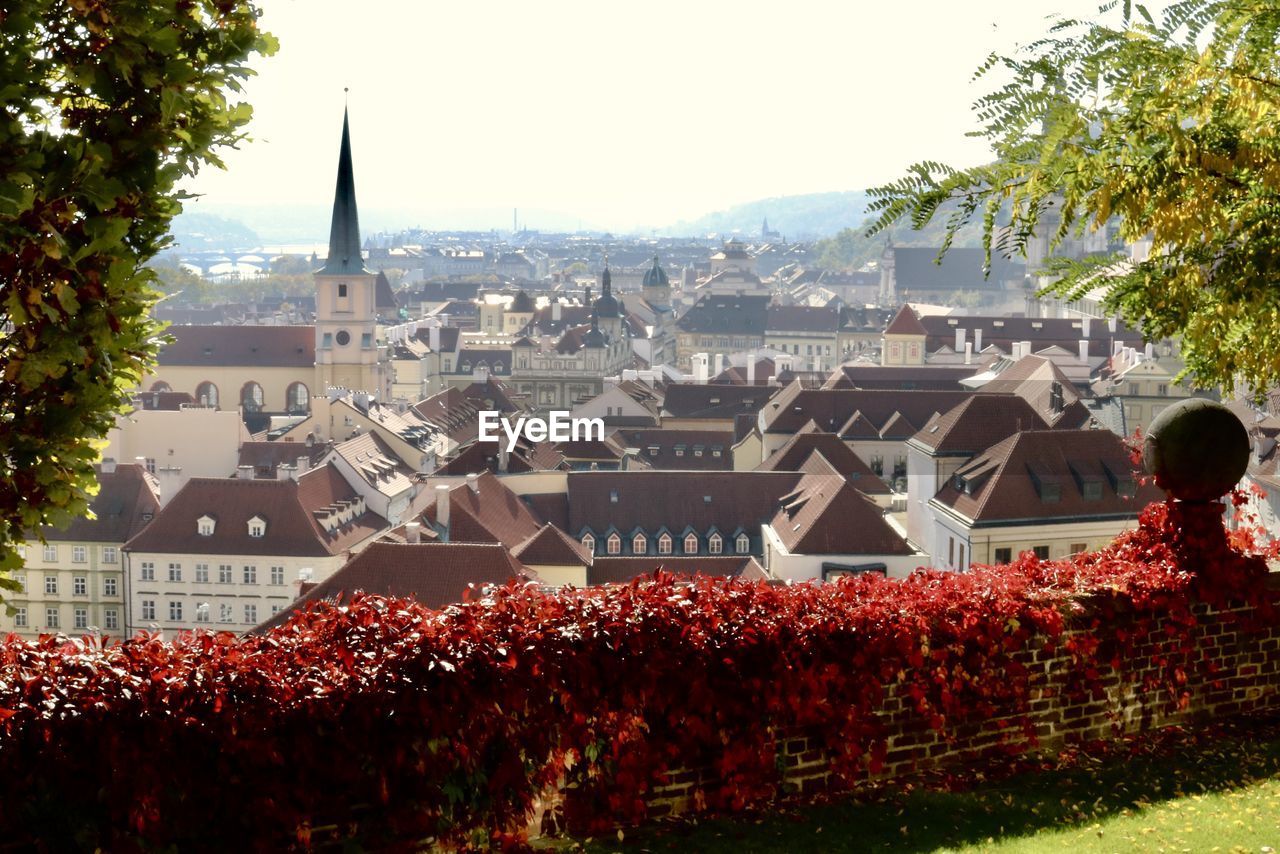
x: 344, y: 232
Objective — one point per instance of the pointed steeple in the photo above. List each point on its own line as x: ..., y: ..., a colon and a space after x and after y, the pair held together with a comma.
x: 344, y: 232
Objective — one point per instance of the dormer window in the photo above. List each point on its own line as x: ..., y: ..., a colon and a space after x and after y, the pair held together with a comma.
x: 589, y: 543
x: 205, y: 525
x: 257, y: 526
x: 664, y: 544
x: 744, y: 544
x: 691, y: 544
x: 614, y: 544
x: 639, y: 545
x: 714, y: 544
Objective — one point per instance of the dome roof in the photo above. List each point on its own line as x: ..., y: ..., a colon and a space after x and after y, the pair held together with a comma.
x: 656, y: 277
x: 594, y: 337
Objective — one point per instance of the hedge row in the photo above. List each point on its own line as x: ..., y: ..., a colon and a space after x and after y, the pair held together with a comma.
x: 387, y: 722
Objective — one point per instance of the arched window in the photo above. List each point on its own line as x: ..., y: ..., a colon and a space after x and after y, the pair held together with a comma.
x: 639, y: 544
x: 589, y: 543
x: 744, y: 544
x: 691, y: 544
x: 664, y: 544
x: 614, y: 544
x: 161, y: 385
x: 207, y: 394
x: 714, y: 544
x: 297, y: 399
x: 251, y: 397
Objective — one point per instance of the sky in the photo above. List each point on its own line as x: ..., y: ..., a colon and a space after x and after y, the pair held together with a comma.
x: 627, y: 116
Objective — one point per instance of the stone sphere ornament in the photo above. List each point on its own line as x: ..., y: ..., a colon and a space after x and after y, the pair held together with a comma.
x: 1197, y: 450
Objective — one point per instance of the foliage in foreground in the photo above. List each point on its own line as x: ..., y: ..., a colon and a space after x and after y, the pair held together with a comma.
x: 413, y: 724
x: 108, y: 106
x: 1168, y: 127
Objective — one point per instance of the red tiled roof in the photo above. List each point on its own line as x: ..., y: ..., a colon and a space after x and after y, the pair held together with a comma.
x: 905, y: 322
x: 800, y: 447
x: 240, y: 346
x: 977, y: 424
x: 436, y: 574
x: 551, y: 547
x: 287, y: 507
x: 1003, y: 481
x: 826, y: 515
x: 831, y: 409
x: 697, y: 448
x: 691, y: 400
x: 488, y: 513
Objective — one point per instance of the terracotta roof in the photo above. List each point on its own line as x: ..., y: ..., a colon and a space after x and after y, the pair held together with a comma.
x: 241, y: 346
x: 795, y: 405
x: 621, y: 570
x: 289, y: 508
x: 907, y: 377
x: 550, y: 506
x: 436, y: 574
x: 1042, y: 332
x: 978, y: 423
x: 800, y: 447
x: 905, y: 322
x: 550, y: 546
x: 125, y: 504
x: 737, y: 375
x: 452, y: 412
x: 1013, y: 478
x: 487, y: 513
x: 373, y: 460
x: 826, y: 515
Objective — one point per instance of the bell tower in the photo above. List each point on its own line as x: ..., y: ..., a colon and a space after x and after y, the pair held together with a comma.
x: 347, y: 353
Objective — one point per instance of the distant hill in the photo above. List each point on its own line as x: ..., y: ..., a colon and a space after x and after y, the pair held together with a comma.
x: 195, y: 231
x: 804, y: 217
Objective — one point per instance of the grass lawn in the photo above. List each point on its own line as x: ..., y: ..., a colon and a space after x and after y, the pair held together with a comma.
x: 1202, y: 792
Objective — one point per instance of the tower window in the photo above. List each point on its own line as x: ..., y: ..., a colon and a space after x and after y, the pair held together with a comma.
x: 342, y: 290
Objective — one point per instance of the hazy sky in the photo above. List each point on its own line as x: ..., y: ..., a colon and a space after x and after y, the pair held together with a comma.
x: 624, y: 115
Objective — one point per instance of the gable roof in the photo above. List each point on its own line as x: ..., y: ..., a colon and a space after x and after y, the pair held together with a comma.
x: 831, y: 409
x: 905, y: 322
x: 977, y: 423
x: 793, y: 455
x: 697, y: 449
x: 801, y: 318
x: 125, y: 504
x: 738, y: 314
x: 550, y: 546
x: 483, y: 510
x: 827, y: 515
x: 240, y: 346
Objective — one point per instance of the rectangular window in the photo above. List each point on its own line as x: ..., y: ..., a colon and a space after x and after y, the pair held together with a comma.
x: 109, y: 554
x: 80, y: 586
x: 202, y: 573
x: 51, y: 585
x: 20, y: 617
x: 224, y: 573
x: 277, y: 575
x: 327, y: 341
x: 366, y: 340
x: 1042, y: 552
x: 276, y: 609
x: 960, y: 564
x: 109, y: 586
x: 951, y: 551
x: 202, y: 612
x: 51, y: 554
x: 251, y: 614
x: 175, y: 572
x: 250, y: 575
x: 20, y: 578
x: 1004, y: 555
x: 342, y: 290
x: 111, y: 618
x: 1077, y: 548
x: 148, y: 609
x: 80, y: 618
x: 224, y: 613
x: 175, y: 611
x: 148, y: 572
x: 79, y: 554
x: 51, y: 618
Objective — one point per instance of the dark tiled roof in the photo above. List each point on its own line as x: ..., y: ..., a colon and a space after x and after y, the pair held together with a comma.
x: 735, y: 375
x: 905, y: 322
x: 978, y: 423
x: 1007, y: 482
x: 697, y: 448
x: 287, y: 506
x: 550, y: 506
x: 621, y: 570
x: 168, y: 400
x: 124, y: 502
x: 551, y: 547
x: 690, y: 400
x: 1042, y: 332
x: 436, y: 574
x: 241, y: 346
x: 727, y: 314
x: 801, y: 318
x: 488, y: 513
x: 831, y: 409
x: 905, y: 377
x: 383, y: 297
x: 826, y: 515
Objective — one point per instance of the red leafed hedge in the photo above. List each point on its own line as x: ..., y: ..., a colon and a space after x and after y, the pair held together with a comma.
x: 387, y: 722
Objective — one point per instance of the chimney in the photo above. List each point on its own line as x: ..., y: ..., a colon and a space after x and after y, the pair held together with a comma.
x: 719, y: 364
x: 960, y: 337
x: 442, y: 509
x: 303, y: 464
x: 413, y: 532
x: 751, y: 368
x: 473, y: 481
x: 1111, y: 324
x: 700, y: 365
x: 108, y: 465
x: 1084, y: 350
x: 433, y: 337
x: 977, y: 340
x: 555, y: 309
x: 1026, y: 348
x: 284, y: 471
x: 1116, y: 347
x: 170, y: 479
x: 1149, y: 352
x: 504, y: 457
x: 968, y: 352
x: 1084, y: 326
x: 244, y: 472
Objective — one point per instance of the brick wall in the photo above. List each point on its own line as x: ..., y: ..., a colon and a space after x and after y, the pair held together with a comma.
x: 1233, y: 667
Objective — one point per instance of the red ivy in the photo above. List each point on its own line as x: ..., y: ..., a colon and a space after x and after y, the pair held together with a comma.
x: 387, y: 720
